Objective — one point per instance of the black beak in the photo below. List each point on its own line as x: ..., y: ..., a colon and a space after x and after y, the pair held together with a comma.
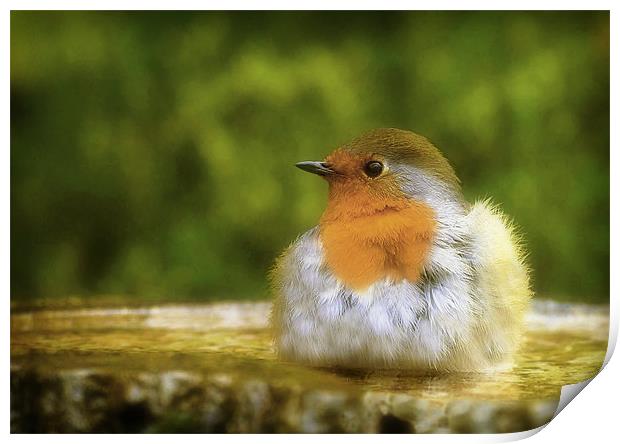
x: 320, y: 168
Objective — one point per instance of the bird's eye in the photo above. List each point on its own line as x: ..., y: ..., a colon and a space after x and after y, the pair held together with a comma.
x: 373, y: 168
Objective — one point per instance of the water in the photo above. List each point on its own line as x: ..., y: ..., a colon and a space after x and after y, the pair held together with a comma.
x: 564, y: 344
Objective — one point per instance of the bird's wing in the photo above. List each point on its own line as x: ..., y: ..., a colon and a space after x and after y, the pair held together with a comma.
x: 501, y: 271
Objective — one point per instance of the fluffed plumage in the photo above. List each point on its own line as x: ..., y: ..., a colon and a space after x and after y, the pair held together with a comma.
x: 401, y: 272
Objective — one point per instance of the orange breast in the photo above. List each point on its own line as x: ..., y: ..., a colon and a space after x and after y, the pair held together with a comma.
x: 365, y: 240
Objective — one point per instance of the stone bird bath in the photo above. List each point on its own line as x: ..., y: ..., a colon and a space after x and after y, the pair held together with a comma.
x: 211, y: 368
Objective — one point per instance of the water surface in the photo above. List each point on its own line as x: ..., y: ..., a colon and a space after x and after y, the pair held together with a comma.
x: 563, y: 345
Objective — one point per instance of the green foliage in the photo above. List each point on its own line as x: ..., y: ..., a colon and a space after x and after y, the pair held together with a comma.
x: 152, y: 153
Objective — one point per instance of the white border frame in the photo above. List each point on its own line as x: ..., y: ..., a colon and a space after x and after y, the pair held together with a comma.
x: 591, y: 418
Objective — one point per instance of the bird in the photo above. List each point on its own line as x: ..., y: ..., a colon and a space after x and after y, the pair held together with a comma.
x: 401, y: 272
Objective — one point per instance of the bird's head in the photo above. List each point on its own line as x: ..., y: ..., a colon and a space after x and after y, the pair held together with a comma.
x: 386, y: 169
x: 391, y: 195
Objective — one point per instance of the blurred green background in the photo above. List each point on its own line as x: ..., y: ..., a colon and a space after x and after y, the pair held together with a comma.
x: 152, y: 153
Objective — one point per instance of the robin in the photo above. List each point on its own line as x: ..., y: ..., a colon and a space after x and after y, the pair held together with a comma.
x: 401, y: 271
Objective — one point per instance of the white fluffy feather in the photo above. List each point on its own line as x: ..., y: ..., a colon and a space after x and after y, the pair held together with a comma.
x: 465, y: 313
